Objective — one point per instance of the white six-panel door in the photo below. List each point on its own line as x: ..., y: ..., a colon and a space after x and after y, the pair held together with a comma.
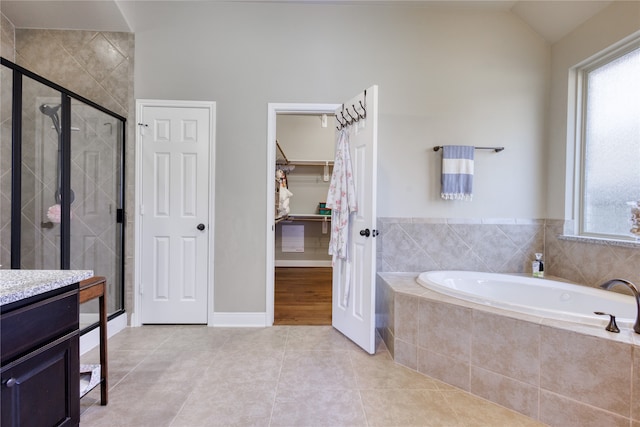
x: 356, y: 317
x: 174, y: 213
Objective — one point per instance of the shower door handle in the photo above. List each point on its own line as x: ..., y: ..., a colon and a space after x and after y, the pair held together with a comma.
x: 365, y: 232
x: 200, y: 227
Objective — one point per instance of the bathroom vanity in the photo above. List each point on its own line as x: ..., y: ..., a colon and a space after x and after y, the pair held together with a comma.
x: 39, y: 347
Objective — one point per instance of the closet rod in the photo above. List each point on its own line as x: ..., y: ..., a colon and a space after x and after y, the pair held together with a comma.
x: 320, y: 218
x: 496, y: 149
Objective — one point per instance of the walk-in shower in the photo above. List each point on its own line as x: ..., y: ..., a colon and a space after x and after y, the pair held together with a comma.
x: 62, y: 181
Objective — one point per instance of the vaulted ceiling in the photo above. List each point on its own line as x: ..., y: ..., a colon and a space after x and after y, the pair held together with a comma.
x: 552, y: 19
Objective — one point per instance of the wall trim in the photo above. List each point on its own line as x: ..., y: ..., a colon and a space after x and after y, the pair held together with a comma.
x: 240, y: 320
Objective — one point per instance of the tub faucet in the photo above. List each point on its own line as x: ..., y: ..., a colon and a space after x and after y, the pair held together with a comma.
x: 611, y: 283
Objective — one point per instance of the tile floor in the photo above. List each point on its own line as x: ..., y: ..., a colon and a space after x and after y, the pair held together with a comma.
x: 280, y: 376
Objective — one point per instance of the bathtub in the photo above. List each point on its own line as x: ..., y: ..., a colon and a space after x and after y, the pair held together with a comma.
x: 540, y: 297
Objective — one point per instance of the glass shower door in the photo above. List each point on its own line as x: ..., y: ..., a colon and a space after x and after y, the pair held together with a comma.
x: 96, y: 145
x: 41, y: 144
x: 58, y: 151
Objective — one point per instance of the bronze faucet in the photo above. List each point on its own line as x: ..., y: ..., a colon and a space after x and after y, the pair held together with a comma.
x: 611, y: 283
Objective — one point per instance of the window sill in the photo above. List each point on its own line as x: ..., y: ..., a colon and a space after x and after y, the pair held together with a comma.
x: 600, y: 241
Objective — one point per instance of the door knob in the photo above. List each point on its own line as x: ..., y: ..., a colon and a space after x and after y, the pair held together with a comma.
x: 200, y: 227
x: 365, y: 232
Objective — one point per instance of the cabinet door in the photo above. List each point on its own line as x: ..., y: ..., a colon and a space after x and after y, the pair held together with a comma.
x: 43, y: 388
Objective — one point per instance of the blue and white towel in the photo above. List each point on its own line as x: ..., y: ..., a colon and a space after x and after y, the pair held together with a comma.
x: 457, y: 172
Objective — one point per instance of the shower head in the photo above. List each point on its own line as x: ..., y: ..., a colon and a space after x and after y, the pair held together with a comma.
x: 49, y: 110
x: 52, y: 111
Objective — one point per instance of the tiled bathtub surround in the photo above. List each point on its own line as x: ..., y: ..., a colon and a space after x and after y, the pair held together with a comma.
x: 585, y: 262
x: 422, y: 244
x: 561, y: 374
x: 501, y: 246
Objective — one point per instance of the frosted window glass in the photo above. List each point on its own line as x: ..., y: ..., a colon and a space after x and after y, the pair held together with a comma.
x: 612, y: 145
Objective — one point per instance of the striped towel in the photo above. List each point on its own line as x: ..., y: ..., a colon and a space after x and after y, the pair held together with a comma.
x: 457, y: 172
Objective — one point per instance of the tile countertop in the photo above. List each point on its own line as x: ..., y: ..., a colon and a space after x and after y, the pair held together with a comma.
x: 20, y: 284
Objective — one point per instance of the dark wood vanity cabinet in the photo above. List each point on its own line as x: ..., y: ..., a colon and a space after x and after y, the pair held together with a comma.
x: 40, y: 371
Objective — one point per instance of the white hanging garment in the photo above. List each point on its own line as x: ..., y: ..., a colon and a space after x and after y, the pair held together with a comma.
x: 342, y: 202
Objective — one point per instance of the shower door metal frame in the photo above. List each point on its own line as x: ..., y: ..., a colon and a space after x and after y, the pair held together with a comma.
x: 16, y: 171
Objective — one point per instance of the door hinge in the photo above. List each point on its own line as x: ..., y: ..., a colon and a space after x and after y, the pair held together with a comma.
x: 119, y: 216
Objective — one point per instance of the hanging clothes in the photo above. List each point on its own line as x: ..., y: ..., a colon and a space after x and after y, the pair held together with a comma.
x: 342, y: 202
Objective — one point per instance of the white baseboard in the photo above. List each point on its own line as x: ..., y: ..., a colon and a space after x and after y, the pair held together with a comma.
x: 91, y: 339
x: 239, y: 320
x: 301, y: 263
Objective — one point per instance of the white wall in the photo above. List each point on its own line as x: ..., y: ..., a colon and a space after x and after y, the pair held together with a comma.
x: 603, y: 30
x: 445, y: 77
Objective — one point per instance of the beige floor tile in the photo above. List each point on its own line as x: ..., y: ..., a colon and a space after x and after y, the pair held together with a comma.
x: 251, y: 339
x: 132, y: 404
x: 408, y: 408
x: 379, y: 371
x: 330, y: 408
x: 147, y: 338
x: 475, y: 411
x: 194, y: 376
x: 317, y: 370
x: 228, y: 404
x: 239, y: 367
x: 318, y: 338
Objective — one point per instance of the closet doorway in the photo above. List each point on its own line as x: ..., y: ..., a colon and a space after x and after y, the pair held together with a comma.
x: 354, y: 279
x: 299, y: 266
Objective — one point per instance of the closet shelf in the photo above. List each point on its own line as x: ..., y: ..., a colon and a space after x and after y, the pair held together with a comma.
x: 307, y: 217
x: 311, y: 162
x: 281, y: 159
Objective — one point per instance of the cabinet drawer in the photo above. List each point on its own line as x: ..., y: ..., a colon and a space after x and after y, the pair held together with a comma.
x: 36, y: 324
x: 42, y: 388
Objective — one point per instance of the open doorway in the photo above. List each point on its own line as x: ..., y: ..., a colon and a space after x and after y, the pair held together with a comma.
x: 299, y: 274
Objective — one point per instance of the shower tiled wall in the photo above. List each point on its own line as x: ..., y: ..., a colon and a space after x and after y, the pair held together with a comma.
x: 7, y: 50
x: 500, y: 246
x: 7, y: 38
x: 98, y: 66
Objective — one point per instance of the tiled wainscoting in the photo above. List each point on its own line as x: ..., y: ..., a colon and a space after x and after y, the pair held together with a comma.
x: 563, y: 375
x: 501, y: 246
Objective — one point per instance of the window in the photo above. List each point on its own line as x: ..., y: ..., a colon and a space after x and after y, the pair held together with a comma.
x: 610, y: 143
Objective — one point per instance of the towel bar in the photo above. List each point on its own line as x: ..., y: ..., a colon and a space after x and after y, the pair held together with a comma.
x: 496, y: 149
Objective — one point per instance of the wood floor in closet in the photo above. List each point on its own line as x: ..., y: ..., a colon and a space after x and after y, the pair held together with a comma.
x: 302, y: 296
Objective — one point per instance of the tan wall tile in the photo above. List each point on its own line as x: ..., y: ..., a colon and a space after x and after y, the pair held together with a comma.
x: 445, y: 328
x: 587, y: 369
x: 406, y: 318
x: 506, y: 346
x: 505, y: 391
x: 558, y: 411
x: 448, y: 369
x: 405, y: 354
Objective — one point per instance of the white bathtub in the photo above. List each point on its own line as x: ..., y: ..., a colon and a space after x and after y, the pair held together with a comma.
x: 529, y: 295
